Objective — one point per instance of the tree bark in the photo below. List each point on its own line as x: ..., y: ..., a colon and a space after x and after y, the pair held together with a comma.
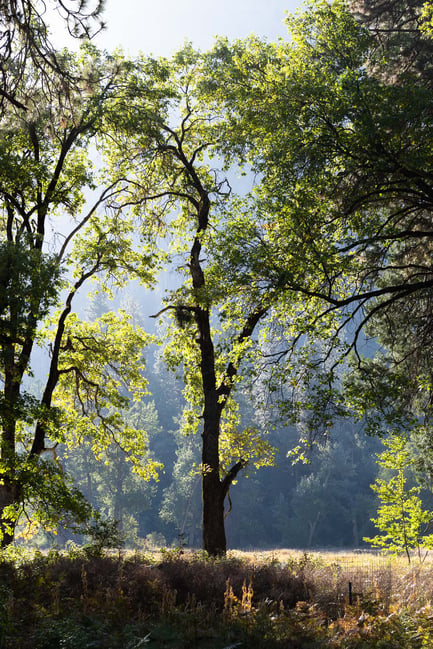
x: 213, y: 529
x: 9, y: 495
x: 9, y: 486
x: 214, y: 535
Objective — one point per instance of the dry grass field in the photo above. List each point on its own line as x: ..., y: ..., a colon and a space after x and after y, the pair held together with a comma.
x: 383, y: 577
x: 178, y: 599
x: 389, y: 579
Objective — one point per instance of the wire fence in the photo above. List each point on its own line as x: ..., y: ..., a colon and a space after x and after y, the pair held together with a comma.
x: 372, y: 581
x: 361, y: 580
x: 368, y: 580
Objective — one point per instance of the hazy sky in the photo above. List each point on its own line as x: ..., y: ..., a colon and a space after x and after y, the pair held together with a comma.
x: 160, y: 27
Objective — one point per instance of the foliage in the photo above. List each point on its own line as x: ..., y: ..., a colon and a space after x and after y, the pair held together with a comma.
x: 180, y: 182
x: 114, y: 484
x: 103, y: 534
x: 52, y: 242
x: 105, y: 363
x: 278, y: 286
x: 25, y: 43
x: 276, y: 274
x: 401, y: 518
x: 340, y: 149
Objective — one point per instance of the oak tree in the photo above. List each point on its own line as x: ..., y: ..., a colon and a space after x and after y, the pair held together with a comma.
x: 57, y: 232
x: 164, y: 139
x: 342, y: 150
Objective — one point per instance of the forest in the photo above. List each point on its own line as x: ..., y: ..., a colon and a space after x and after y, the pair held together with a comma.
x: 215, y: 286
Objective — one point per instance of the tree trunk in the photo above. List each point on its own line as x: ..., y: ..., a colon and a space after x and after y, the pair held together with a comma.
x: 355, y: 531
x: 312, y: 525
x: 214, y: 535
x: 214, y: 489
x: 213, y: 492
x: 9, y: 495
x: 9, y: 486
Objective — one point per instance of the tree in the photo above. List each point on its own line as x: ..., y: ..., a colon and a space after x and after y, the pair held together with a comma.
x: 25, y: 42
x: 52, y: 243
x: 306, y: 118
x: 168, y: 130
x: 343, y: 158
x: 400, y: 517
x: 331, y: 503
x: 338, y: 228
x: 400, y: 30
x: 181, y: 502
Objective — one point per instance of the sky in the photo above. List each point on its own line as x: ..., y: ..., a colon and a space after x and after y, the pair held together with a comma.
x: 160, y: 27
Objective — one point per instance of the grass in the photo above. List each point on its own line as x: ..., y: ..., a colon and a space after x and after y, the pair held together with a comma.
x: 172, y: 600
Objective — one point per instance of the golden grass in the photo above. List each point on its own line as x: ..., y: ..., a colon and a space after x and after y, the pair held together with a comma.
x: 376, y: 579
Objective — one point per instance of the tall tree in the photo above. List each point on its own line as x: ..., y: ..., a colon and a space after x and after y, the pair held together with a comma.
x: 166, y: 128
x: 343, y: 155
x: 52, y: 242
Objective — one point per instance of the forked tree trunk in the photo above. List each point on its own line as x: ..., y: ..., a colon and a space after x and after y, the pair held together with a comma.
x: 214, y: 488
x: 215, y: 491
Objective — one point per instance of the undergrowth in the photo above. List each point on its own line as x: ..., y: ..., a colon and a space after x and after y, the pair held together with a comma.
x: 80, y: 600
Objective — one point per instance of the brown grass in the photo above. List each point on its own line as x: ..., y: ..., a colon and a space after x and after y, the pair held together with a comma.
x: 264, y: 598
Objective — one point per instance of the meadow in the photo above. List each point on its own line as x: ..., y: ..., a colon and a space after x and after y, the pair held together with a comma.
x: 175, y: 599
